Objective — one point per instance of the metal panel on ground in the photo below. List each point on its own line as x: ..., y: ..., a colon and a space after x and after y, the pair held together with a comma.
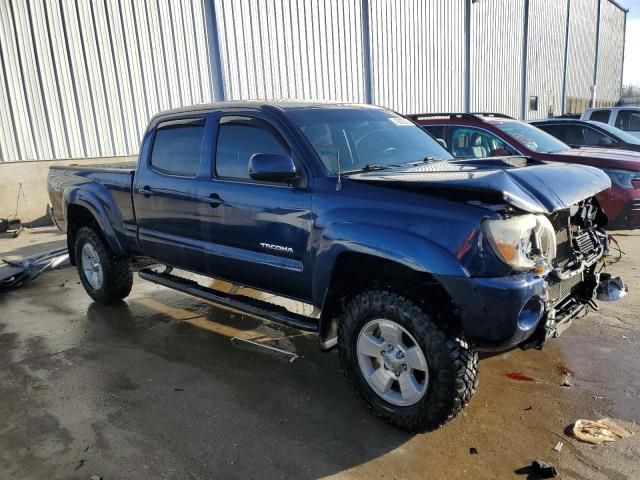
x: 291, y: 49
x: 417, y: 55
x: 545, y: 57
x: 496, y: 56
x: 81, y: 78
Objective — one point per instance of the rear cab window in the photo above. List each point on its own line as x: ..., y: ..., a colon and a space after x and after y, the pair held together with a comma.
x: 177, y: 147
x: 600, y: 116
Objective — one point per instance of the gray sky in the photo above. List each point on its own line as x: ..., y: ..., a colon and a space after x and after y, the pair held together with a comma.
x: 631, y: 73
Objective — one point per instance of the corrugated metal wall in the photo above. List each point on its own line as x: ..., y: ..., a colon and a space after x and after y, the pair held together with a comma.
x: 583, y: 18
x: 496, y: 56
x: 610, y: 52
x: 545, y: 56
x: 81, y: 78
x: 417, y: 55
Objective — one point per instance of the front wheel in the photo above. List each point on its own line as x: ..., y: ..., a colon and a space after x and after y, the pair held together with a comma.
x: 405, y: 369
x: 107, y: 278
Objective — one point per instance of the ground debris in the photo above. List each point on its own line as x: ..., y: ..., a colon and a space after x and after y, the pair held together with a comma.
x: 473, y: 451
x: 558, y: 446
x: 95, y: 477
x: 566, y: 381
x: 538, y: 469
x: 598, y: 432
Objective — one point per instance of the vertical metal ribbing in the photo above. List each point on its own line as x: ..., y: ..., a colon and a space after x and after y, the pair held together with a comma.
x: 525, y: 49
x: 624, y: 43
x: 366, y: 52
x: 595, y: 61
x: 213, y: 41
x: 467, y: 56
x: 566, y: 59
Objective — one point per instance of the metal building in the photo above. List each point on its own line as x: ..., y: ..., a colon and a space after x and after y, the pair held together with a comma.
x: 80, y: 78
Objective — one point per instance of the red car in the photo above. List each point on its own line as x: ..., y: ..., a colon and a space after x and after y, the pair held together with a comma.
x: 480, y: 135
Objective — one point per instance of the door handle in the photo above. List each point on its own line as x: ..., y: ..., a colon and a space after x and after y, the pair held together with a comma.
x: 146, y: 190
x: 214, y: 200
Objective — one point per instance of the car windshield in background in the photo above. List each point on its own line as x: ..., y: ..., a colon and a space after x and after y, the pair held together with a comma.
x: 620, y: 134
x: 365, y: 138
x: 533, y: 138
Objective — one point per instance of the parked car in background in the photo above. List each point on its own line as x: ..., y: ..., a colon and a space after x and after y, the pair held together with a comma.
x: 588, y: 133
x: 493, y: 135
x: 414, y: 260
x: 624, y: 118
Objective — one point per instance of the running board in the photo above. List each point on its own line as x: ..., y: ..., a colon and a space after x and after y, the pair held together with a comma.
x: 251, y: 306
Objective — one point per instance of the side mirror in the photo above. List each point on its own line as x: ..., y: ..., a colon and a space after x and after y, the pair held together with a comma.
x: 272, y: 167
x: 499, y: 152
x: 443, y: 143
x: 605, y: 142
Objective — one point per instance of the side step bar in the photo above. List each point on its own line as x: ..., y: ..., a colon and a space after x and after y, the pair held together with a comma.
x: 251, y: 306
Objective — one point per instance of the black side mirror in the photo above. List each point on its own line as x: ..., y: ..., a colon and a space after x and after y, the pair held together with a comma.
x: 272, y: 167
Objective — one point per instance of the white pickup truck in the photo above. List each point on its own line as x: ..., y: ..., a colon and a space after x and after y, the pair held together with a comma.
x: 624, y: 118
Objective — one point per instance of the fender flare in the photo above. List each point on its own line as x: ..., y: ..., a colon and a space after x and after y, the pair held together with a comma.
x: 101, y: 210
x: 405, y: 248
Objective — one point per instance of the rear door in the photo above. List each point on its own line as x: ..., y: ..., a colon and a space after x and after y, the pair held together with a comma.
x: 259, y: 230
x: 170, y: 192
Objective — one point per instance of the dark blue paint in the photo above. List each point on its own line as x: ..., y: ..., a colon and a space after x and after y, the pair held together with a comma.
x: 216, y: 226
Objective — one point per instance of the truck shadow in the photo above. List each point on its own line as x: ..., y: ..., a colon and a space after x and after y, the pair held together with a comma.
x: 283, y: 418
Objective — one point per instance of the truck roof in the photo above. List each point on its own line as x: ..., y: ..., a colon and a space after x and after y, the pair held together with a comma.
x: 283, y: 104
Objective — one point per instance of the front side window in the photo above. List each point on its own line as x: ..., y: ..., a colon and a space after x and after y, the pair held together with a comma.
x: 358, y: 138
x: 177, y: 146
x: 628, y: 120
x: 241, y: 137
x: 600, y: 116
x: 531, y: 137
x: 595, y: 138
x: 472, y: 142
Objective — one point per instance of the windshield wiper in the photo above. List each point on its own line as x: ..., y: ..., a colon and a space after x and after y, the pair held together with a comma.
x: 370, y: 167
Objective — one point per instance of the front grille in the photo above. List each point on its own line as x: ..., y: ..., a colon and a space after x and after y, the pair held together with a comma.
x: 585, y: 243
x: 560, y: 289
x: 635, y: 207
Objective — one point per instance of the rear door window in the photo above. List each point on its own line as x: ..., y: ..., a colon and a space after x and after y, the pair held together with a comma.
x: 628, y: 120
x: 600, y: 116
x: 177, y: 147
x: 241, y: 137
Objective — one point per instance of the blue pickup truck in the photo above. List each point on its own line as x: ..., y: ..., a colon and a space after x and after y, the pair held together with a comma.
x: 414, y: 260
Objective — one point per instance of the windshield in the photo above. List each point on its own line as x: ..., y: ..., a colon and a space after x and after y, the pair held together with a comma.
x: 620, y: 134
x: 533, y: 138
x: 365, y: 138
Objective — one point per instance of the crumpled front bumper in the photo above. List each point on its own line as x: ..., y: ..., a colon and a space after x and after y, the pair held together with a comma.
x: 524, y: 309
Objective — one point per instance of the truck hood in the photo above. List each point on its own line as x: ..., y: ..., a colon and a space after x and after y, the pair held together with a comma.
x: 602, y: 157
x: 527, y: 184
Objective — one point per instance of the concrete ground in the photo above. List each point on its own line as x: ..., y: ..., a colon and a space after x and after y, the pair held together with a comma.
x: 155, y: 388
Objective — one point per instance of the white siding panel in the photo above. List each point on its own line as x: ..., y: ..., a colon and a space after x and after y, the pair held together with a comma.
x: 545, y: 57
x: 291, y: 49
x: 496, y: 56
x: 417, y: 55
x: 610, y: 52
x: 582, y: 47
x: 82, y: 77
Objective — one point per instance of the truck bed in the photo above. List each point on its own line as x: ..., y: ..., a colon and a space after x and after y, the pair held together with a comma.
x: 111, y: 183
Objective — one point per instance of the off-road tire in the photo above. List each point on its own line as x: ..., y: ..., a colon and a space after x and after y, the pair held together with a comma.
x: 117, y: 273
x: 453, y: 366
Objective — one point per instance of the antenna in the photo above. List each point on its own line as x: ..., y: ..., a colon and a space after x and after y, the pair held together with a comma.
x: 339, y: 184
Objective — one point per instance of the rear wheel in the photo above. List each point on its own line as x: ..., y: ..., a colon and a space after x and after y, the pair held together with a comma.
x: 404, y: 368
x: 107, y: 278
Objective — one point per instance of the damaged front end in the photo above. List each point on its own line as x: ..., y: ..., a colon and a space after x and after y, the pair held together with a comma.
x: 574, y: 276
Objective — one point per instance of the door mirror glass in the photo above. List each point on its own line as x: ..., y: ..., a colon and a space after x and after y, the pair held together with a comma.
x: 272, y: 167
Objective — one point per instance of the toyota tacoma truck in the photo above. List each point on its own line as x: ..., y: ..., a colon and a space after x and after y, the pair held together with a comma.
x: 414, y: 261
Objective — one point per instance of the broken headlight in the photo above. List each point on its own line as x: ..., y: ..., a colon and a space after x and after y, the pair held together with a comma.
x: 522, y: 241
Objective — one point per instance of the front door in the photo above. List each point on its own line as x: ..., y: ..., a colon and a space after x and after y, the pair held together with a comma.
x: 259, y: 231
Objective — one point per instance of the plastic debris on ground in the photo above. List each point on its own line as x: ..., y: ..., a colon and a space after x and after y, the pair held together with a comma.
x: 544, y: 470
x: 18, y: 272
x: 598, y: 432
x: 558, y: 446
